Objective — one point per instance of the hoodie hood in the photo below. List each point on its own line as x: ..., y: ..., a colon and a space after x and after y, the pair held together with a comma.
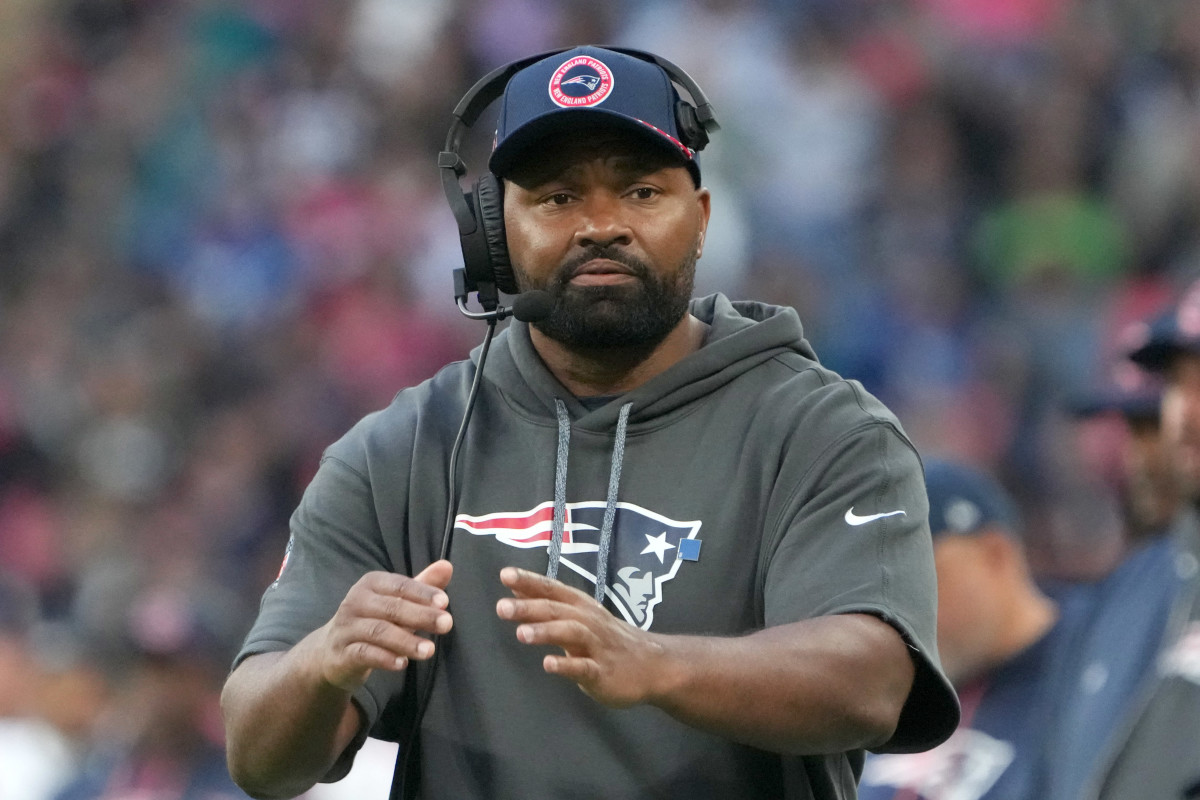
x: 742, y: 336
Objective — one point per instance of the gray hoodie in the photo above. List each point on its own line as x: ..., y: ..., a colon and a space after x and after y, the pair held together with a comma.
x: 746, y: 486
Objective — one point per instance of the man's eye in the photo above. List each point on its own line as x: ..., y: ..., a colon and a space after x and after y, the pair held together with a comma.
x: 644, y: 193
x: 559, y: 199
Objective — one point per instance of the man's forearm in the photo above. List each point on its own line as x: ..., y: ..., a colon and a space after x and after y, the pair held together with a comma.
x: 285, y: 725
x: 820, y: 686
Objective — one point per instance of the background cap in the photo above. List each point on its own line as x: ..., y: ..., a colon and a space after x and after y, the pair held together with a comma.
x: 185, y: 624
x: 1130, y: 390
x: 1177, y: 330
x: 964, y: 500
x: 583, y: 88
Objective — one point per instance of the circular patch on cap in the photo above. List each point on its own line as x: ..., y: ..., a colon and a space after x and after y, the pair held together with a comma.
x: 962, y: 515
x: 580, y: 82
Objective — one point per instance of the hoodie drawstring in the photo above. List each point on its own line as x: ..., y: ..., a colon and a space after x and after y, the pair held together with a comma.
x: 610, y: 506
x: 560, y: 495
x: 560, y: 487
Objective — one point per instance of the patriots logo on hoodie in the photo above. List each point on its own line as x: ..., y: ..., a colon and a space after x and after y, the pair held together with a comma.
x: 647, y: 548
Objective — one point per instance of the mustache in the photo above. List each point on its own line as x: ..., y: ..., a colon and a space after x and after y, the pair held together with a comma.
x: 563, y: 275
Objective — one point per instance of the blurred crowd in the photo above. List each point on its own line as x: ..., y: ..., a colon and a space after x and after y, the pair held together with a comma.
x: 223, y: 240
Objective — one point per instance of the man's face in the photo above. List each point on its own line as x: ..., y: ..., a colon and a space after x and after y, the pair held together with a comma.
x: 1152, y: 487
x: 613, y: 232
x: 1181, y: 420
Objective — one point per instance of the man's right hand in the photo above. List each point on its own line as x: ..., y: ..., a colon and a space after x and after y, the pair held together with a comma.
x: 376, y: 625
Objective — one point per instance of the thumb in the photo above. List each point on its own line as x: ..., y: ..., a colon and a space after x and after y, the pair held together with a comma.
x: 437, y: 574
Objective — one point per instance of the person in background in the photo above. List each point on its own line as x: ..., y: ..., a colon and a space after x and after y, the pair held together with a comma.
x: 1156, y: 752
x: 1129, y: 606
x: 1003, y: 643
x: 167, y: 742
x: 35, y: 759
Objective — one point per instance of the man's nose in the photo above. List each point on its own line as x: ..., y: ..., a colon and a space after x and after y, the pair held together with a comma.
x: 603, y: 223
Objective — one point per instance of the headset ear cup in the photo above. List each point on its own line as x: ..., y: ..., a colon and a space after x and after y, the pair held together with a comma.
x: 691, y: 131
x: 489, y: 195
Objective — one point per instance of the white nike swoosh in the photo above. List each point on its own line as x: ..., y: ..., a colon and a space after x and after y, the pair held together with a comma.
x: 855, y: 519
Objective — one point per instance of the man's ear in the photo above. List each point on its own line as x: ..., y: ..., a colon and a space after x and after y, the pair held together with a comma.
x: 1000, y: 548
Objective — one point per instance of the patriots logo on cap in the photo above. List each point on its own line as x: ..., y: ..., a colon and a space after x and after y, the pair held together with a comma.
x: 647, y: 548
x: 589, y: 82
x: 580, y: 82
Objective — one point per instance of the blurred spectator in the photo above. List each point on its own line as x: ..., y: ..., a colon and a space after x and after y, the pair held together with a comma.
x: 1122, y: 423
x: 1003, y: 643
x: 1155, y: 755
x: 35, y: 759
x: 166, y: 737
x: 1130, y: 607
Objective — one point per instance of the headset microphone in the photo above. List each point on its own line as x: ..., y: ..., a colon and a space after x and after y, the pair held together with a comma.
x: 532, y: 306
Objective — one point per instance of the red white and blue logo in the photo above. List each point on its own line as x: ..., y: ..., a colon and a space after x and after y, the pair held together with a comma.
x: 287, y: 556
x: 581, y: 82
x: 647, y: 548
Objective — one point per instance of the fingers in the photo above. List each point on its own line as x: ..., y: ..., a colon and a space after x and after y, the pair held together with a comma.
x: 609, y: 659
x: 424, y: 614
x: 572, y: 635
x: 584, y: 671
x: 533, y: 609
x: 378, y: 623
x: 428, y: 587
x: 437, y: 574
x: 524, y: 583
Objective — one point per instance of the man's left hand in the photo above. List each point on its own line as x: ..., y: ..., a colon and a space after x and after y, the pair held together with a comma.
x: 613, y: 662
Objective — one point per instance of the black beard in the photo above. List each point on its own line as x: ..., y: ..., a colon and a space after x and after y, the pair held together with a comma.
x: 634, y: 315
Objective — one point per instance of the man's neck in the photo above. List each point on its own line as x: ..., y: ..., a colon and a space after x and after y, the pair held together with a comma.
x: 613, y: 371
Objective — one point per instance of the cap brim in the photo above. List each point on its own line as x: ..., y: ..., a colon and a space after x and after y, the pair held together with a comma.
x: 531, y: 137
x: 1155, y: 356
x: 1145, y: 406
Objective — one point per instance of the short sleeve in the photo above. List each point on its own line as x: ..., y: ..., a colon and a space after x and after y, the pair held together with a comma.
x: 335, y: 540
x: 854, y: 538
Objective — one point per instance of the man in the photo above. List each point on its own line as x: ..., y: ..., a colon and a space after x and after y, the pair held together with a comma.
x: 1144, y: 478
x: 755, y: 525
x: 1127, y: 609
x: 1158, y: 754
x: 1004, y: 644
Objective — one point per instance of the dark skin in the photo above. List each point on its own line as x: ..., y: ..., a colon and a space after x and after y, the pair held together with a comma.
x: 606, y: 192
x: 818, y: 686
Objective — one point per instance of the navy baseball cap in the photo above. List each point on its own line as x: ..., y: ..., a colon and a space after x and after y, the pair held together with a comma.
x: 171, y: 623
x: 583, y: 89
x: 1131, y: 391
x: 1155, y: 343
x: 964, y: 500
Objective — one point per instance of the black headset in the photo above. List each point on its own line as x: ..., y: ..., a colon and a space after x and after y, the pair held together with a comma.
x: 480, y: 212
